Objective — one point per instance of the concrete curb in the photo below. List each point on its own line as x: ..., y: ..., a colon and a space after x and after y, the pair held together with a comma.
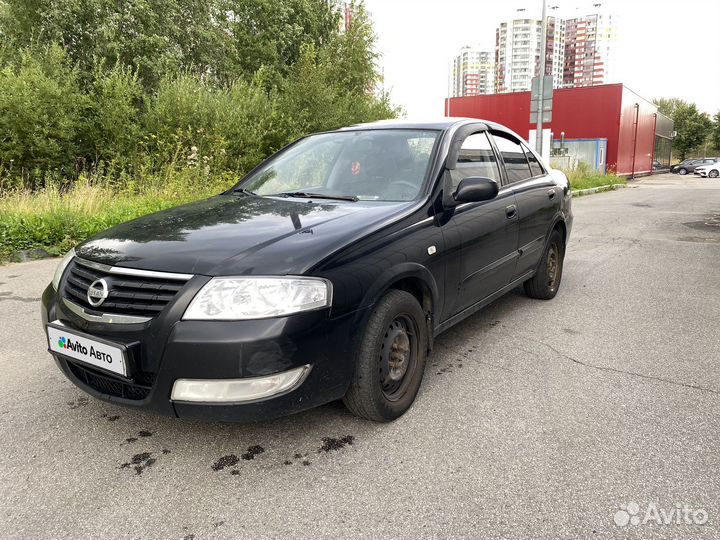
x: 599, y: 189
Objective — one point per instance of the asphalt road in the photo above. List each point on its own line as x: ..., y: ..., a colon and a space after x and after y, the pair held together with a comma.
x: 535, y: 419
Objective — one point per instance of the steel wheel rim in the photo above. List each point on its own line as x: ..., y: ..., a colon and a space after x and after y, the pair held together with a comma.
x: 398, y: 356
x: 553, y: 266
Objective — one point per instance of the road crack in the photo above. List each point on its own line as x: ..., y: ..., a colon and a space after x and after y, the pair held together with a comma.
x: 620, y: 371
x: 24, y: 299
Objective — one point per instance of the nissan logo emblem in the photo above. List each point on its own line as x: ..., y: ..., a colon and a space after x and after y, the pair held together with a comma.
x: 97, y: 292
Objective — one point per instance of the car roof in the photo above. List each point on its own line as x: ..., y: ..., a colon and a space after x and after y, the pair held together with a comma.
x: 443, y: 123
x: 446, y: 124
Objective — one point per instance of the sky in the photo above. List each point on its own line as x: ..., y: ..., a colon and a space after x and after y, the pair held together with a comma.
x: 665, y: 48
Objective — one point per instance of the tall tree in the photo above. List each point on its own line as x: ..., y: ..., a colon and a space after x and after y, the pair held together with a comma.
x: 668, y: 106
x: 224, y: 39
x: 692, y: 126
x: 716, y: 132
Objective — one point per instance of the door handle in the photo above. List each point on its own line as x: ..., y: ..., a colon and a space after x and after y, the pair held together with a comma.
x: 511, y: 211
x: 551, y: 193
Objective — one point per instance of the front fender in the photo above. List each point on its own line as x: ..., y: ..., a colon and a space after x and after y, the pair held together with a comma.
x: 390, y: 277
x: 399, y: 272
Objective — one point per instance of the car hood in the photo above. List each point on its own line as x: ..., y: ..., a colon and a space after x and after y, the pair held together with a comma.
x: 238, y: 234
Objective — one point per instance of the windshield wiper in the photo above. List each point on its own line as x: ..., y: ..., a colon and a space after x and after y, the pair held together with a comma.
x: 307, y: 195
x: 243, y: 191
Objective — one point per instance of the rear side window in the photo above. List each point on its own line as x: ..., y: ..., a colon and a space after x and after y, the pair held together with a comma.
x: 476, y: 158
x: 513, y: 155
x: 535, y: 167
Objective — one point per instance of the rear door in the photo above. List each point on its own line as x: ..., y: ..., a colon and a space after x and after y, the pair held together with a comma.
x: 487, y: 231
x: 538, y: 199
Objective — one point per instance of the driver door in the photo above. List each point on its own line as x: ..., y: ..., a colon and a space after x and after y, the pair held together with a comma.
x: 486, y: 232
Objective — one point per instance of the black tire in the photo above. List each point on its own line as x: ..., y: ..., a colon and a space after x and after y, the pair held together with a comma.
x: 713, y: 174
x: 389, y: 359
x: 545, y: 283
x: 682, y: 171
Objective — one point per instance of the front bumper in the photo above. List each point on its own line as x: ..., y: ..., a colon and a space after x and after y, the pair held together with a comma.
x: 167, y: 349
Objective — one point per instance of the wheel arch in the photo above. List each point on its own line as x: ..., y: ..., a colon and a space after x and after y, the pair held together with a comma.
x: 412, y: 278
x: 561, y: 226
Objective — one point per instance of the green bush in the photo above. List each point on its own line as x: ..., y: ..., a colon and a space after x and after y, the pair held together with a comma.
x: 113, y: 127
x: 42, y: 118
x: 191, y: 122
x: 584, y: 177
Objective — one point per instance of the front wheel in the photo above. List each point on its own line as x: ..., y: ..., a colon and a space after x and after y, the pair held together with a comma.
x: 683, y: 171
x: 713, y: 174
x: 389, y: 360
x: 546, y: 282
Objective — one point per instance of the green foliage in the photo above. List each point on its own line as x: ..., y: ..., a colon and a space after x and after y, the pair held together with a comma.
x: 112, y: 127
x: 271, y: 33
x: 126, y: 91
x: 715, y: 136
x: 42, y: 113
x: 329, y: 87
x: 110, y: 110
x: 151, y: 36
x: 350, y: 57
x: 584, y: 177
x: 692, y: 126
x: 224, y: 39
x: 668, y: 106
x: 190, y: 121
x: 55, y: 221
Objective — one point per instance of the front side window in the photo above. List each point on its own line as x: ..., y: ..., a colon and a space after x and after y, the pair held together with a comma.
x: 513, y: 155
x: 374, y: 165
x: 476, y: 158
x: 535, y: 167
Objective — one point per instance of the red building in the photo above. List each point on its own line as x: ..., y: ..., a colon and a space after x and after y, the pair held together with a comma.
x: 636, y: 132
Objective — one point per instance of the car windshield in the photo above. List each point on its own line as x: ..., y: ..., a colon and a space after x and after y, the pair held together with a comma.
x: 374, y: 165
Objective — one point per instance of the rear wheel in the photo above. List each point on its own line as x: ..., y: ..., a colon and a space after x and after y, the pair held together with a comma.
x: 390, y: 359
x: 683, y: 171
x: 546, y: 282
x: 714, y: 173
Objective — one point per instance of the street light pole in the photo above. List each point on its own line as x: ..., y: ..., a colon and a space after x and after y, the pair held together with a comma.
x: 541, y: 81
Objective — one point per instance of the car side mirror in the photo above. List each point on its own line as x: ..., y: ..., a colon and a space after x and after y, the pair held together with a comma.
x: 475, y: 189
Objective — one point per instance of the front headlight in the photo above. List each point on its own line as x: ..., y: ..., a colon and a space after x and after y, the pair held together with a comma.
x: 61, y: 268
x: 240, y: 298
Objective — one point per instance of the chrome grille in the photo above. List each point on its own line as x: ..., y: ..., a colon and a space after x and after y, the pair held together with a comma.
x: 134, y: 295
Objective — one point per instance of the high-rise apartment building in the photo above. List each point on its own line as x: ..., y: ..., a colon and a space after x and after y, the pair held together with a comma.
x: 555, y: 52
x: 589, y: 50
x: 580, y: 51
x: 472, y: 73
x: 517, y: 53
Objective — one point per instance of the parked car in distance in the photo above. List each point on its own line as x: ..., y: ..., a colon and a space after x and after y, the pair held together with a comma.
x: 325, y: 274
x: 709, y: 171
x: 688, y: 165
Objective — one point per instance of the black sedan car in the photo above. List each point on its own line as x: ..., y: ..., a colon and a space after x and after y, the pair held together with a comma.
x: 689, y: 165
x: 325, y: 274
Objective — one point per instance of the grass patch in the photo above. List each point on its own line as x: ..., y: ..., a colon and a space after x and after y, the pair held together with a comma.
x: 583, y: 177
x: 587, y: 182
x: 56, y: 221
